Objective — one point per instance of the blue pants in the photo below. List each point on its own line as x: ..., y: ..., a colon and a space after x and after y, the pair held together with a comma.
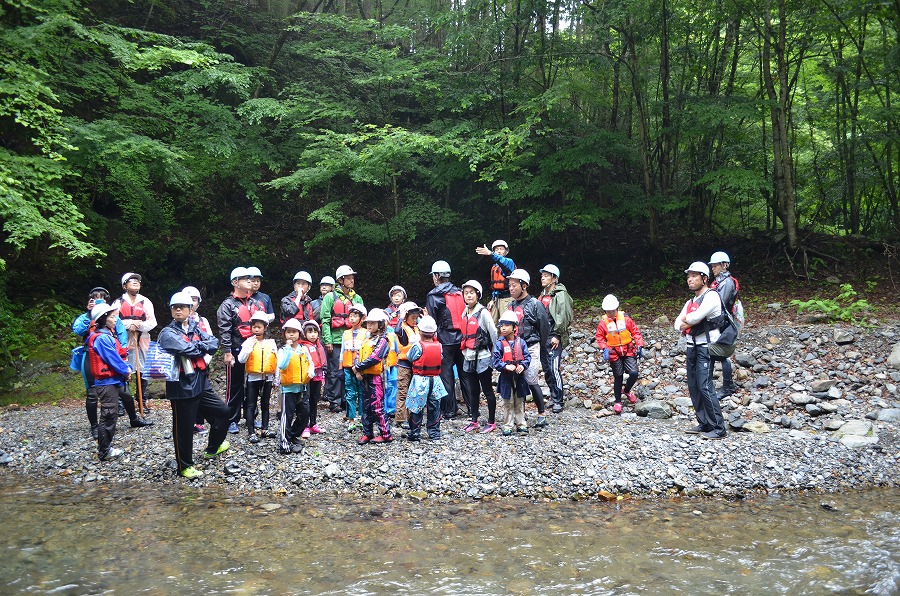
x: 353, y: 394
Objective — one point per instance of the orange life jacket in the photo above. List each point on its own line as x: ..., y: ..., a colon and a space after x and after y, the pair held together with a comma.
x: 262, y: 360
x: 393, y: 354
x: 298, y: 370
x: 617, y: 333
x: 499, y: 283
x: 429, y: 363
x: 512, y: 353
x: 412, y: 336
x: 99, y: 368
x: 368, y: 346
x: 351, y: 343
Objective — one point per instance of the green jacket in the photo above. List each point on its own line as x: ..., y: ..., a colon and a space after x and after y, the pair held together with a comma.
x: 329, y: 335
x: 561, y: 313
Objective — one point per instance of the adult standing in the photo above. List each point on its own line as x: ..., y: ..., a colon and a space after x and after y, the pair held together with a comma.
x: 192, y: 394
x: 479, y: 334
x: 326, y: 285
x: 334, y: 311
x: 445, y: 305
x: 261, y: 297
x: 502, y: 267
x: 204, y: 326
x: 139, y: 318
x: 727, y: 286
x: 699, y: 322
x: 298, y: 304
x: 233, y: 318
x: 560, y: 309
x: 534, y: 328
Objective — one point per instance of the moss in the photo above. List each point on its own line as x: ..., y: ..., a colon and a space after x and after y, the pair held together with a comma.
x: 48, y: 386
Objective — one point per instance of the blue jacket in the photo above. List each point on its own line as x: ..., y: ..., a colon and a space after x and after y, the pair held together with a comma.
x: 105, y: 347
x: 508, y: 267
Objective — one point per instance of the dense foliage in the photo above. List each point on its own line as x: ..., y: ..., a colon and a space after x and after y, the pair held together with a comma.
x: 179, y: 138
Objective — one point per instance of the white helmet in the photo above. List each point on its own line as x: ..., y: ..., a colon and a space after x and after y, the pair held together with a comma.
x: 130, y: 275
x: 719, y: 257
x: 376, y: 315
x: 263, y: 316
x: 610, y: 302
x: 521, y: 275
x: 440, y: 267
x: 408, y: 307
x: 238, y: 272
x: 499, y: 243
x: 394, y: 289
x: 509, y: 316
x: 303, y: 276
x: 100, y: 310
x: 293, y: 324
x: 427, y: 325
x: 254, y: 272
x: 310, y: 323
x: 698, y: 267
x: 358, y: 308
x: 327, y: 281
x: 551, y: 269
x: 193, y: 293
x: 181, y: 297
x: 344, y: 270
x: 475, y: 285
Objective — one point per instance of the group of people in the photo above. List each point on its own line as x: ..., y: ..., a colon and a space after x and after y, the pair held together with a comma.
x: 383, y: 368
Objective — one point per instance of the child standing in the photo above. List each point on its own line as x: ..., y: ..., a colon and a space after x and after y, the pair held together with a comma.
x: 369, y: 369
x: 260, y: 358
x: 351, y: 342
x: 512, y: 359
x: 425, y: 388
x: 621, y: 343
x: 306, y: 422
x: 295, y: 364
x: 479, y: 335
x: 407, y: 335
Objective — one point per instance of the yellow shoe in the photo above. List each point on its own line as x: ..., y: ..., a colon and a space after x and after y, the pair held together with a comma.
x: 222, y: 449
x: 191, y: 473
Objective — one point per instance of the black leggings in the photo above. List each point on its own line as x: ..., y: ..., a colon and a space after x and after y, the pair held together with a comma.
x: 306, y: 408
x: 474, y: 384
x: 620, y: 367
x: 263, y: 391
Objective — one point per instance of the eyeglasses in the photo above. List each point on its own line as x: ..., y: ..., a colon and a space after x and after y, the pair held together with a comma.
x: 180, y: 306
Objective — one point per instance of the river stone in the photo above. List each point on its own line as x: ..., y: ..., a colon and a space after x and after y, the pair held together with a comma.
x: 756, y: 426
x: 893, y: 360
x: 270, y: 506
x: 653, y: 408
x: 745, y: 359
x: 774, y: 306
x: 858, y: 442
x: 822, y: 385
x: 332, y: 470
x: 833, y: 424
x: 834, y: 393
x: 814, y: 410
x: 662, y: 321
x: 774, y: 340
x: 843, y: 336
x: 859, y: 428
x: 827, y: 407
x: 801, y: 399
x: 889, y: 415
x: 683, y: 402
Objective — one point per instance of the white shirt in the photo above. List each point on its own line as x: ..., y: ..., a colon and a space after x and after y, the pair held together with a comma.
x: 710, y: 307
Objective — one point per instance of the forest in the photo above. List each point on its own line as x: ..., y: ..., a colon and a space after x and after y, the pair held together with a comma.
x: 180, y: 138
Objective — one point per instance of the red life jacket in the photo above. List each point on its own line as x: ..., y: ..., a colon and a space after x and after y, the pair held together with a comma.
x: 512, y: 353
x: 456, y: 305
x: 393, y: 314
x: 470, y: 332
x: 546, y: 299
x: 339, y: 311
x: 429, y: 363
x: 318, y: 353
x: 737, y: 291
x: 304, y: 312
x: 198, y: 362
x: 499, y: 283
x: 99, y: 368
x: 244, y: 312
x: 135, y: 312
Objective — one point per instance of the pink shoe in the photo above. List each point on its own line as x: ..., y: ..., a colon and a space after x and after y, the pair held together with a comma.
x: 617, y: 407
x: 472, y: 426
x: 314, y: 429
x: 632, y: 398
x: 488, y: 428
x: 305, y: 434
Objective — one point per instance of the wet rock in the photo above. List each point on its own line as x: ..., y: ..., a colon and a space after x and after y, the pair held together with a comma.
x: 653, y: 408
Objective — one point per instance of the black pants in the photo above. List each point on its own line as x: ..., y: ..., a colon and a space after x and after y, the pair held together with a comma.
x: 334, y: 379
x: 90, y: 403
x: 258, y: 392
x: 620, y: 367
x: 184, y: 414
x: 291, y: 404
x: 550, y: 361
x: 108, y: 397
x: 236, y: 391
x: 452, y: 354
x: 306, y: 408
x: 474, y: 384
x: 703, y: 392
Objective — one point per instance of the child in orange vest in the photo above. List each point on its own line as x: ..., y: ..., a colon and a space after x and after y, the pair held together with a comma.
x: 306, y: 421
x: 260, y: 358
x: 621, y: 343
x: 407, y: 336
x: 512, y: 359
x: 370, y: 369
x: 351, y: 342
x: 425, y: 388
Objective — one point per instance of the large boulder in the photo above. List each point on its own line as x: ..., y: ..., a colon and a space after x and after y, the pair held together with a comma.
x: 856, y: 433
x: 653, y: 408
x: 893, y: 360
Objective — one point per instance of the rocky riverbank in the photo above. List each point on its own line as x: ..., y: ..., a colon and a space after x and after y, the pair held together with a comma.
x: 818, y: 409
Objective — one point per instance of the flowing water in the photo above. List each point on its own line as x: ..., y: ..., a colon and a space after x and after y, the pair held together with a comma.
x: 64, y: 539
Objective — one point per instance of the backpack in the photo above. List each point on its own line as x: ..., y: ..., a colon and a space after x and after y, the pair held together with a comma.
x: 729, y: 330
x: 456, y: 305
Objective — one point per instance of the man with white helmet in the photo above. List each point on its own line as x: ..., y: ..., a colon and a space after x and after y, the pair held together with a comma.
x: 192, y: 395
x: 699, y: 323
x: 534, y: 328
x: 233, y: 318
x: 203, y: 325
x: 298, y: 304
x: 727, y: 286
x: 334, y: 311
x: 139, y: 318
x: 326, y: 285
x: 445, y: 305
x: 560, y: 309
x: 502, y: 267
x: 255, y: 282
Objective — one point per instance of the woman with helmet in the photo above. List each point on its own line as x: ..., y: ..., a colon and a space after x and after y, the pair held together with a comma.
x: 478, y: 336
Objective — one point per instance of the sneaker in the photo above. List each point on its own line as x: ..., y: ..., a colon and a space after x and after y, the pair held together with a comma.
x: 713, y: 435
x: 113, y: 453
x: 523, y: 430
x: 223, y: 447
x: 233, y: 427
x: 269, y: 434
x: 306, y: 432
x: 334, y: 409
x: 296, y: 448
x: 253, y: 438
x: 199, y: 429
x: 723, y: 393
x: 557, y: 408
x: 507, y: 432
x: 363, y: 440
x: 617, y: 407
x: 191, y: 473
x: 694, y: 430
x: 140, y: 422
x: 382, y: 439
x: 314, y: 429
x: 409, y: 437
x: 95, y: 431
x: 471, y: 427
x: 488, y: 428
x: 540, y: 422
x: 632, y: 398
x: 355, y: 425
